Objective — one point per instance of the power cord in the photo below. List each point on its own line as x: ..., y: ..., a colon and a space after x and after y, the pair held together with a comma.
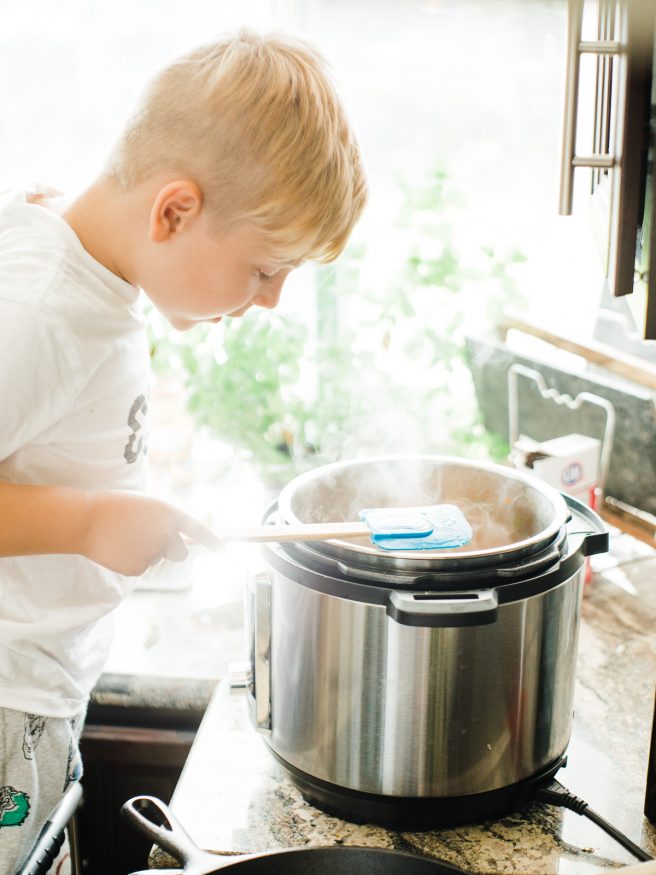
x: 555, y: 794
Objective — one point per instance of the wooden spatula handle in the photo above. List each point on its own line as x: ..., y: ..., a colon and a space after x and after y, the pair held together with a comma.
x: 302, y: 532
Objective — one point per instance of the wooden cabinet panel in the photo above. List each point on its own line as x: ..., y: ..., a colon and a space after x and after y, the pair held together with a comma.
x: 121, y: 762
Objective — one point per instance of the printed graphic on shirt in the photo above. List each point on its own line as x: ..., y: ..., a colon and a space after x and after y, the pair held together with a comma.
x: 137, y: 442
x: 34, y: 726
x: 14, y: 806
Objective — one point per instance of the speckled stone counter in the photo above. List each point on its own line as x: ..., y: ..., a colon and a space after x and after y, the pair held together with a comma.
x: 232, y: 796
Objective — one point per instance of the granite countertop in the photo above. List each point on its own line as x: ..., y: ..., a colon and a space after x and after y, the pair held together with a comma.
x: 232, y: 797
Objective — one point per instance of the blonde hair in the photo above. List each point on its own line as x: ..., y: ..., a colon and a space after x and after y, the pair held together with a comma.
x: 257, y: 123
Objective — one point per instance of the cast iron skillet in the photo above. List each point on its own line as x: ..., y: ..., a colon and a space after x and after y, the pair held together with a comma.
x: 153, y: 818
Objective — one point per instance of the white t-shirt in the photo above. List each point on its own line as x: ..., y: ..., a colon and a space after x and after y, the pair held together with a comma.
x: 74, y: 370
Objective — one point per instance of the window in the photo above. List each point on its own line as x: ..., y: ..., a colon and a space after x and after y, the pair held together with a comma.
x: 458, y: 108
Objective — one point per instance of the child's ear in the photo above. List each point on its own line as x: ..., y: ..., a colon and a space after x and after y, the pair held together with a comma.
x: 175, y: 206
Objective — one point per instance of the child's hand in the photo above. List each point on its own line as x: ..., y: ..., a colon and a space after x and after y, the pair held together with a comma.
x: 129, y: 532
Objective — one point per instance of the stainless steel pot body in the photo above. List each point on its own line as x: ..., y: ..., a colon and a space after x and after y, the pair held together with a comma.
x: 426, y: 675
x: 364, y: 702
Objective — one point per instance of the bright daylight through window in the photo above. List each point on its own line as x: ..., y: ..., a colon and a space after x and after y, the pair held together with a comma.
x: 458, y: 107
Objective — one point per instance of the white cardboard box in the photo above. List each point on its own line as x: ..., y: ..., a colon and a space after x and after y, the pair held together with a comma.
x: 569, y: 463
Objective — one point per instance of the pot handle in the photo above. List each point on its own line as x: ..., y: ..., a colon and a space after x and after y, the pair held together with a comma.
x: 155, y: 820
x: 258, y: 614
x: 595, y: 540
x: 443, y: 610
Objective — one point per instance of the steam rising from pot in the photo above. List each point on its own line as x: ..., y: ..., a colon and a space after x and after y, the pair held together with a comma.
x: 500, y: 508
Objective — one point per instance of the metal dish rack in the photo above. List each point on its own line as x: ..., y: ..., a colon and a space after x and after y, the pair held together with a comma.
x: 563, y: 400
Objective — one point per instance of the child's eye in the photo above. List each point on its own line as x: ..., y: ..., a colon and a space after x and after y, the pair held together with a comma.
x: 264, y: 277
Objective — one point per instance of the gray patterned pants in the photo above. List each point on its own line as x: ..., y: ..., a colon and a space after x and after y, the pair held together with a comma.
x: 39, y: 758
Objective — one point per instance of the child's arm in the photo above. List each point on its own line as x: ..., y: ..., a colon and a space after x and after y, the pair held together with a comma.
x: 126, y: 532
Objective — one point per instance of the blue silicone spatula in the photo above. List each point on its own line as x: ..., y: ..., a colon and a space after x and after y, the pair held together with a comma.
x: 391, y: 528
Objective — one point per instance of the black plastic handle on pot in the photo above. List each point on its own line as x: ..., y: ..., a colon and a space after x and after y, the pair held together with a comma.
x: 596, y: 539
x: 443, y: 610
x: 49, y: 843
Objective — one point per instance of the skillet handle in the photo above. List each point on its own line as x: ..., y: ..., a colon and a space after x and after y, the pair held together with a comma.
x: 155, y: 820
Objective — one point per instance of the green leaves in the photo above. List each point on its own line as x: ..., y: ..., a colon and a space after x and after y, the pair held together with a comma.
x: 381, y: 370
x: 248, y: 395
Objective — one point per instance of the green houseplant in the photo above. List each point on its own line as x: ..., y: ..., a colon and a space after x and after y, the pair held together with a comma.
x: 382, y: 369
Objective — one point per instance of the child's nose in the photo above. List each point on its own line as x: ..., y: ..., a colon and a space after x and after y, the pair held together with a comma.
x: 270, y: 297
x: 269, y: 300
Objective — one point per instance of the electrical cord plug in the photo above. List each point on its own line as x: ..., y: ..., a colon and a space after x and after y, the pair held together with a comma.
x: 554, y: 793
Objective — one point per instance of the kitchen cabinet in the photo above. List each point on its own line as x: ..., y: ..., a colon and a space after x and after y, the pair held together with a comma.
x: 138, y: 734
x: 121, y: 762
x: 608, y: 129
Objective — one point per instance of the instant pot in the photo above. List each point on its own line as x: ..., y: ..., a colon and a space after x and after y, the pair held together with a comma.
x: 420, y: 687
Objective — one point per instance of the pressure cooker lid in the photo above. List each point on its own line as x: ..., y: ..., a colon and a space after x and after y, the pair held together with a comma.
x: 512, y: 515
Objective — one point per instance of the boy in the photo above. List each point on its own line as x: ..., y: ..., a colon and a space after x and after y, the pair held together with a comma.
x: 238, y: 165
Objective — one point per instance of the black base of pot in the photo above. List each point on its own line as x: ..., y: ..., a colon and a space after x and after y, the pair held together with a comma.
x: 416, y: 813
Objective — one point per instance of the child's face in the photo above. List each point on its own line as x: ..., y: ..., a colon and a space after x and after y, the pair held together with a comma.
x: 202, y: 277
x: 192, y: 273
